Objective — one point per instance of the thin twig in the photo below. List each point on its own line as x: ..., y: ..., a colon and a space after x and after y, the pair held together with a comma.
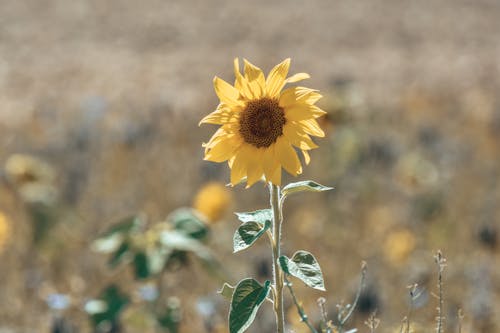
x: 441, y: 264
x: 372, y: 322
x: 343, y: 320
x: 414, y: 294
x: 460, y: 319
x: 326, y: 325
x: 300, y: 309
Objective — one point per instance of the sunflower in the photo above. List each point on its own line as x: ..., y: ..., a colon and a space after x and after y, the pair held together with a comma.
x: 212, y: 200
x: 261, y: 124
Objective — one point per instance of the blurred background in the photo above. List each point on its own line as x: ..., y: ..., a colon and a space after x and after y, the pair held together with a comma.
x: 99, y: 109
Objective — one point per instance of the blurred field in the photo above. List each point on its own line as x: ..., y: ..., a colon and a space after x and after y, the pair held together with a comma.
x: 109, y: 95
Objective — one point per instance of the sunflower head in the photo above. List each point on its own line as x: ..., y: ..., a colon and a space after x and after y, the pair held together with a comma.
x: 262, y: 125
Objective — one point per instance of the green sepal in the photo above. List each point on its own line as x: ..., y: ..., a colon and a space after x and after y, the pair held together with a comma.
x: 261, y: 216
x: 303, y: 186
x: 305, y: 267
x: 248, y: 295
x: 248, y: 233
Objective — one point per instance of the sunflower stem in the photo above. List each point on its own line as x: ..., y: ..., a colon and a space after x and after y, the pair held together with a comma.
x: 277, y: 272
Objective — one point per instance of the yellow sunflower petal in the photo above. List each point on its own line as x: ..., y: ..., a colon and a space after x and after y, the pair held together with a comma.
x: 297, y: 112
x: 311, y: 126
x: 223, y: 150
x: 254, y: 171
x: 307, y: 158
x: 297, y: 77
x: 298, y: 138
x: 272, y: 167
x: 241, y: 83
x: 255, y: 78
x: 226, y: 92
x: 238, y: 169
x: 287, y: 156
x: 296, y: 95
x: 276, y: 78
x: 218, y: 135
x: 238, y: 77
x: 222, y: 115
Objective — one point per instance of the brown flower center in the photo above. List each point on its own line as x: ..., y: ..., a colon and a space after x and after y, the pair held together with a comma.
x: 261, y: 122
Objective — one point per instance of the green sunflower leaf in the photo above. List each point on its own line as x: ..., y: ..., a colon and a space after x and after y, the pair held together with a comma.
x: 108, y: 307
x: 304, y: 266
x: 120, y: 254
x: 248, y: 233
x: 247, y: 298
x: 303, y: 186
x: 261, y: 216
x: 188, y: 221
x: 112, y: 239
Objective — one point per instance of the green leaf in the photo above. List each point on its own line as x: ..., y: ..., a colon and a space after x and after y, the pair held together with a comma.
x: 227, y: 291
x: 112, y: 239
x: 303, y: 186
x: 304, y: 266
x: 261, y: 216
x: 170, y: 317
x: 108, y: 307
x: 141, y: 266
x: 157, y: 257
x: 247, y: 298
x: 119, y: 255
x: 248, y: 233
x: 179, y: 241
x: 126, y: 225
x: 188, y: 221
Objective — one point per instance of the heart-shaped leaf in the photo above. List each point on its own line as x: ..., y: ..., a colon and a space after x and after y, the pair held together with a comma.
x: 248, y: 233
x: 303, y: 186
x: 261, y: 216
x: 247, y: 298
x: 304, y: 266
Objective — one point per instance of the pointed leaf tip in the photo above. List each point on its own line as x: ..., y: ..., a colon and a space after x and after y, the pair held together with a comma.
x: 304, y: 186
x: 304, y: 266
x: 248, y: 296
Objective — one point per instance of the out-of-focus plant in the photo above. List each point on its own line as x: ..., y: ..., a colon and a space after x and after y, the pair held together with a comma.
x: 261, y: 126
x: 212, y: 200
x: 33, y: 180
x: 151, y: 252
x: 5, y: 231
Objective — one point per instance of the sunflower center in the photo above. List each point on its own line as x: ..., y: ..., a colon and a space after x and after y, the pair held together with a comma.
x: 261, y: 122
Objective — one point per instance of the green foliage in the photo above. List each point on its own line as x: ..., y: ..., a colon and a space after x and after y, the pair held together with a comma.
x: 303, y: 186
x: 188, y: 221
x: 111, y: 241
x: 246, y: 300
x: 248, y: 233
x: 108, y: 307
x: 43, y: 217
x: 304, y: 266
x: 261, y: 216
x: 169, y: 318
x: 150, y: 251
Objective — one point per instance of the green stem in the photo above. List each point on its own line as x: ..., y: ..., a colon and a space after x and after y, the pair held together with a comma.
x: 300, y: 309
x: 277, y: 273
